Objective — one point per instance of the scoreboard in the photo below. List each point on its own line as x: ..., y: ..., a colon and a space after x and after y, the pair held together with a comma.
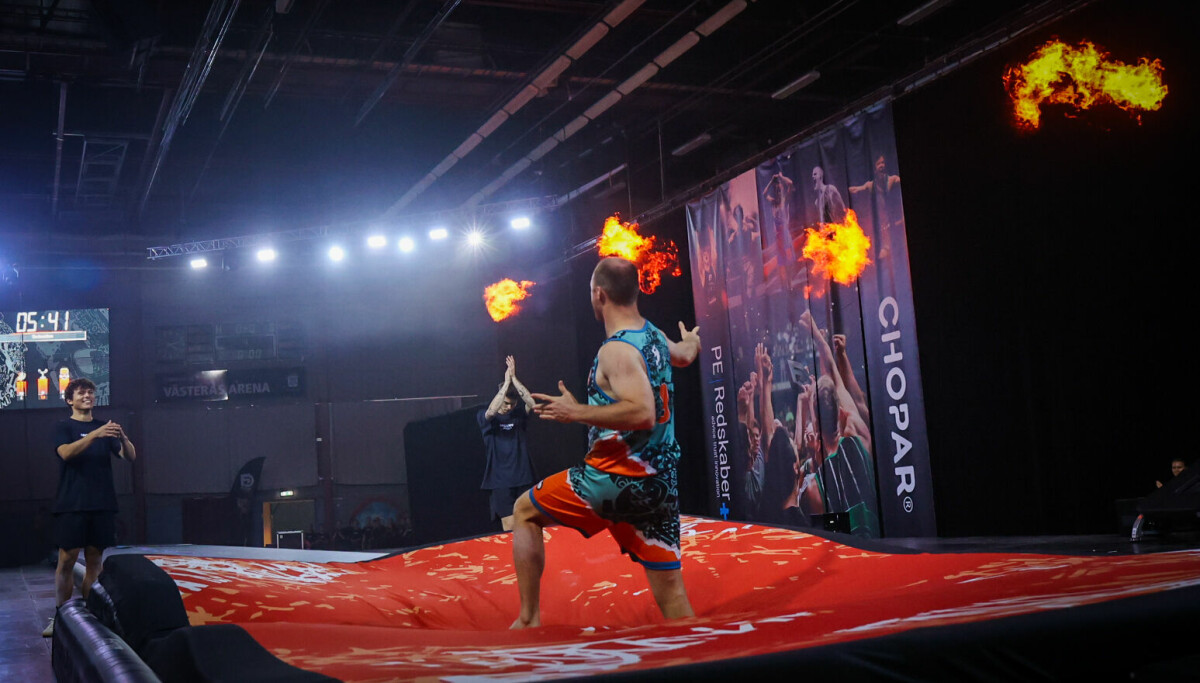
x: 41, y: 351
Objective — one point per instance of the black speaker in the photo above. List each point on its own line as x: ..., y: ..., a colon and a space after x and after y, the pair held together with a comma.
x: 1173, y: 507
x: 445, y: 458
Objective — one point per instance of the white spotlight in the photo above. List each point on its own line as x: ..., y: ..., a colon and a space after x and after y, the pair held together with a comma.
x: 199, y: 262
x: 376, y: 241
x: 406, y: 244
x: 266, y: 255
x: 336, y: 253
x: 520, y: 223
x: 475, y: 239
x: 438, y: 234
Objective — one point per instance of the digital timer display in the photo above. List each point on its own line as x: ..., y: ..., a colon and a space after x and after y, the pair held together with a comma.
x: 42, y: 351
x: 42, y: 321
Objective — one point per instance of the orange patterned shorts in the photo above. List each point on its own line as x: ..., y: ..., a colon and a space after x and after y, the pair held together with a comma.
x: 641, y: 513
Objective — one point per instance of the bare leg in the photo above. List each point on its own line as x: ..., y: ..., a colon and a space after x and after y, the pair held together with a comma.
x: 669, y: 592
x: 93, y: 558
x: 529, y: 559
x: 64, y: 575
x: 506, y: 523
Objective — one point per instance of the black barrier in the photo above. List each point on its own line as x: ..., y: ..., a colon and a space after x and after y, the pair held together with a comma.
x: 136, y: 600
x: 220, y: 652
x: 134, y: 629
x: 86, y: 651
x: 1144, y: 638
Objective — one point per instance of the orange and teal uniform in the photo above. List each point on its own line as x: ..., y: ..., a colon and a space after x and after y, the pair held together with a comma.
x: 628, y: 483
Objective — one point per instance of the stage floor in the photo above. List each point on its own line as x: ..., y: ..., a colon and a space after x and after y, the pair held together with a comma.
x: 1027, y: 608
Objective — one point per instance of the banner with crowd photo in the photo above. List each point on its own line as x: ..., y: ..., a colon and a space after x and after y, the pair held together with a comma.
x: 812, y: 387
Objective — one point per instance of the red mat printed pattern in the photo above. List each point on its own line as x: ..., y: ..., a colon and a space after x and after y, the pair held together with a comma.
x: 443, y: 611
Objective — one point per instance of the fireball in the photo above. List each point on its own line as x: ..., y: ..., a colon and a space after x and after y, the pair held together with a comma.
x: 838, y: 250
x: 502, y: 298
x: 622, y: 239
x: 1082, y: 77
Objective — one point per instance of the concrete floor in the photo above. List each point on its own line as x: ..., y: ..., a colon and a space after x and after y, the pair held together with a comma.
x: 26, y: 604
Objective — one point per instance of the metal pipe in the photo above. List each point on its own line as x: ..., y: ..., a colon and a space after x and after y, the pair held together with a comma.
x: 312, y: 19
x: 580, y: 46
x: 216, y: 24
x: 409, y: 55
x: 563, y: 199
x: 58, y: 145
x: 234, y: 98
x: 704, y: 29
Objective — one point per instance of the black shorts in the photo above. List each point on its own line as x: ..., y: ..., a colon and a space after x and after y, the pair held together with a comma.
x: 95, y: 528
x: 503, y: 500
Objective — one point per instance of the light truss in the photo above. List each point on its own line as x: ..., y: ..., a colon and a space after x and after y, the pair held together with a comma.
x: 228, y: 243
x: 479, y: 212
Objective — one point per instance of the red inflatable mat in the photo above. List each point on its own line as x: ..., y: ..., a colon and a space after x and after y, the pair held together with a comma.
x: 443, y: 611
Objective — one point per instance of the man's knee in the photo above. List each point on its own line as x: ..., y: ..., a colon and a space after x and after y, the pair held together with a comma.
x: 523, y: 509
x: 524, y: 512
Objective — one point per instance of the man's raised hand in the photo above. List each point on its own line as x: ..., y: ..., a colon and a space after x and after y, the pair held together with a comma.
x: 689, y: 336
x: 561, y: 408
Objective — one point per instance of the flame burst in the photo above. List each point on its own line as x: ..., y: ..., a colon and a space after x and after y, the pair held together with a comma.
x: 838, y: 249
x: 1081, y: 77
x: 622, y: 239
x: 502, y: 297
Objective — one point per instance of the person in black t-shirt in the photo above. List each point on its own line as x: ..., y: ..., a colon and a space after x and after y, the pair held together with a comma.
x: 508, y: 472
x: 85, y: 508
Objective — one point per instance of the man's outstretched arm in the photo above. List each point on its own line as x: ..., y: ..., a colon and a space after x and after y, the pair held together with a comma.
x: 685, y: 351
x: 622, y: 367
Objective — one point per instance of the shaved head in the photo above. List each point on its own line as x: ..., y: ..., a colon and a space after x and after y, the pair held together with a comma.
x: 618, y: 278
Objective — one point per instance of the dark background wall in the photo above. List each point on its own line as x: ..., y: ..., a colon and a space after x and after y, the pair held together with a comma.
x: 1050, y: 277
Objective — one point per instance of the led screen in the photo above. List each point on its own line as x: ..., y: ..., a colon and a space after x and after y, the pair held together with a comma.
x: 40, y: 351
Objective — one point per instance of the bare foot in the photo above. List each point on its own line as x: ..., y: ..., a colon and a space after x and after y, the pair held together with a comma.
x: 521, y: 623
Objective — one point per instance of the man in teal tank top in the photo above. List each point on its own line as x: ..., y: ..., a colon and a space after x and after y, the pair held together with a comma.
x: 628, y: 482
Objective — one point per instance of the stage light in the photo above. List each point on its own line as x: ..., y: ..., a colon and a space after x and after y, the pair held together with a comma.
x: 475, y: 239
x: 336, y: 253
x: 266, y: 255
x: 520, y: 223
x: 406, y: 244
x: 438, y: 234
x: 376, y: 241
x: 199, y: 262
